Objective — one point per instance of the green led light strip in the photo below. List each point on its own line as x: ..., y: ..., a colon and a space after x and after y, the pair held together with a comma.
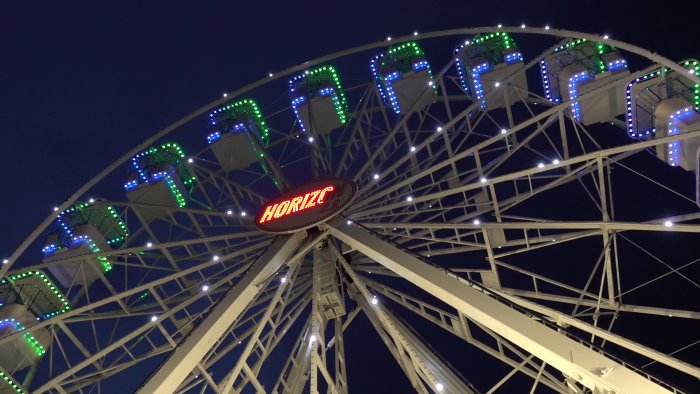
x: 600, y: 47
x: 402, y: 57
x: 11, y: 382
x: 695, y: 66
x: 29, y: 338
x: 65, y: 307
x: 247, y: 107
x: 339, y: 102
x: 508, y: 41
x: 175, y: 192
x: 82, y: 208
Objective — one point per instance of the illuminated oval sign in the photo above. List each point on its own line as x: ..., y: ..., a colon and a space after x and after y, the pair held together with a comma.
x: 305, y: 206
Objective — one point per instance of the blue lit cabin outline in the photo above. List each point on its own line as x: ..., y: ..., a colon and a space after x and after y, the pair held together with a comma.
x: 582, y: 62
x: 165, y: 163
x: 237, y: 135
x: 484, y: 54
x: 644, y: 93
x: 307, y: 93
x: 94, y: 223
x: 402, y: 62
x: 241, y: 116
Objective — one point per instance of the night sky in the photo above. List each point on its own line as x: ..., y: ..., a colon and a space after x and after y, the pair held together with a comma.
x: 82, y: 84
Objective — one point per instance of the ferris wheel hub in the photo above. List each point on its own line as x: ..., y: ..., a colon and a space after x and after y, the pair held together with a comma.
x: 306, y: 206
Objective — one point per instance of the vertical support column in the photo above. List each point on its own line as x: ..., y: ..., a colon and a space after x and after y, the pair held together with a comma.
x: 564, y: 141
x: 193, y: 348
x: 606, y: 233
x: 326, y: 304
x: 341, y: 376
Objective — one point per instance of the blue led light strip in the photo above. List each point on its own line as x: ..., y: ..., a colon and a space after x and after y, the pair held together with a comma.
x: 574, y: 81
x: 673, y: 129
x: 84, y: 212
x: 630, y: 120
x: 391, y: 66
x: 322, y: 81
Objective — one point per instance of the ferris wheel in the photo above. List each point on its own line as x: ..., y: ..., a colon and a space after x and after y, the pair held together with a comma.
x: 532, y: 197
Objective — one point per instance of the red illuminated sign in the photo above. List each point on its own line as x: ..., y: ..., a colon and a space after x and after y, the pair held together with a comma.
x: 305, y: 206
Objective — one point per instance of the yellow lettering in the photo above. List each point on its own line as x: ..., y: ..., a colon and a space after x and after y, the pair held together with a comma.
x: 312, y: 201
x: 281, y: 209
x: 269, y: 212
x: 323, y: 193
x: 294, y: 205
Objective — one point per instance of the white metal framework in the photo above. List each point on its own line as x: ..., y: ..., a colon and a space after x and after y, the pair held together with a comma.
x: 554, y: 250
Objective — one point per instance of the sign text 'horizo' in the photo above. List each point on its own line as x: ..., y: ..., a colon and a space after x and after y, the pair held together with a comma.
x: 305, y: 206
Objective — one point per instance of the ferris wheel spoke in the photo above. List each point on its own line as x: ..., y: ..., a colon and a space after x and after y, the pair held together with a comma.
x: 353, y: 143
x: 548, y: 114
x: 458, y: 325
x: 135, y: 334
x: 423, y: 275
x: 417, y: 362
x: 584, y: 161
x: 278, y: 302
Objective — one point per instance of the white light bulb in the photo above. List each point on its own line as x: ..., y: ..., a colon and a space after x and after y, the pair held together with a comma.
x: 605, y: 37
x: 269, y: 75
x: 149, y: 244
x: 415, y: 33
x: 205, y: 288
x: 375, y: 176
x: 556, y: 161
x: 374, y: 301
x: 5, y: 261
x: 540, y: 165
x: 284, y: 279
x: 499, y: 25
x: 229, y: 212
x: 483, y: 180
x: 92, y: 200
x: 216, y: 258
x: 409, y: 198
x: 311, y: 139
x: 154, y: 318
x: 497, y: 84
x: 243, y: 213
x: 546, y: 27
x: 313, y: 338
x: 413, y: 149
x: 55, y: 209
x: 439, y: 387
x: 430, y: 83
x: 439, y: 129
x: 476, y: 222
x: 225, y: 95
x: 190, y: 160
x: 668, y: 223
x: 388, y: 38
x: 522, y: 26
x: 503, y: 131
x: 349, y: 222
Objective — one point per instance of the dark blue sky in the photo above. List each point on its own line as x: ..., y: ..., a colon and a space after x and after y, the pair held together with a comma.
x: 82, y: 84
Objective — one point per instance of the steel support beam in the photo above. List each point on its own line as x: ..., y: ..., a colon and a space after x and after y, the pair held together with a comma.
x: 188, y: 353
x: 573, y: 359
